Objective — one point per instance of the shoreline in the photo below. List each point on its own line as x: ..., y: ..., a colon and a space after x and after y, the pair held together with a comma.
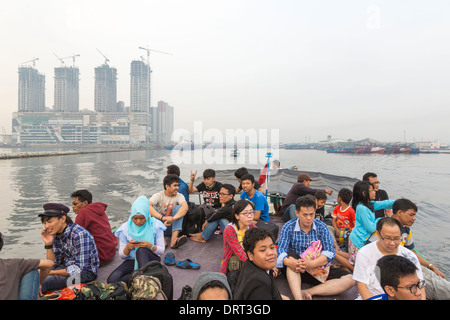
x: 33, y: 154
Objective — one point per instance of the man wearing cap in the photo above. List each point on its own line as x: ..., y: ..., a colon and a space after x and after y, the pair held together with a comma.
x: 70, y: 246
x: 301, y: 188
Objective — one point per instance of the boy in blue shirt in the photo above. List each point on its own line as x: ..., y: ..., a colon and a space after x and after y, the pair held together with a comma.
x: 183, y: 189
x: 255, y: 196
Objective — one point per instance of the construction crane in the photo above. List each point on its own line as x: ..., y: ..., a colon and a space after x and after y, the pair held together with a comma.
x: 62, y: 61
x: 106, y: 59
x: 34, y: 61
x: 148, y: 53
x: 73, y: 58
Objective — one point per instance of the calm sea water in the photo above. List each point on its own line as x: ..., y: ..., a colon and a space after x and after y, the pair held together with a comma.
x: 118, y: 178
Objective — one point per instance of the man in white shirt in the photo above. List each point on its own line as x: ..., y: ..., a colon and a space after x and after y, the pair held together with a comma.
x: 170, y: 207
x: 366, y: 273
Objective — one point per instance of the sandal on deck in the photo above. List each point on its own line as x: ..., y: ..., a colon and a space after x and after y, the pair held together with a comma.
x: 187, y: 264
x: 169, y: 259
x: 180, y: 241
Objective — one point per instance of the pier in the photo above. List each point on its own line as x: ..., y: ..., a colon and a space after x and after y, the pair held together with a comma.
x: 33, y: 154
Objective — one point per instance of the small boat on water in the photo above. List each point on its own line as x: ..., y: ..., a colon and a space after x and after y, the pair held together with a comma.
x: 340, y: 150
x: 397, y: 149
x: 359, y: 150
x: 235, y: 153
x: 378, y: 150
x: 370, y: 150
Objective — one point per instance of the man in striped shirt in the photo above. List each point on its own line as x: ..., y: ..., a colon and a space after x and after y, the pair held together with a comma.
x: 295, y: 238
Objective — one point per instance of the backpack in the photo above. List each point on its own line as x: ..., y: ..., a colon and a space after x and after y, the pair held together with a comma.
x: 145, y: 287
x: 186, y: 293
x: 271, y: 227
x: 193, y: 220
x: 96, y: 290
x: 208, y: 210
x: 157, y: 270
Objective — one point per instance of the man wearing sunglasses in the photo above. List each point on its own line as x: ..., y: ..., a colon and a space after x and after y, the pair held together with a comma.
x: 366, y: 272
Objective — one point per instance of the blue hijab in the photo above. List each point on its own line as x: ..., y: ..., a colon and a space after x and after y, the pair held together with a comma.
x: 146, y: 231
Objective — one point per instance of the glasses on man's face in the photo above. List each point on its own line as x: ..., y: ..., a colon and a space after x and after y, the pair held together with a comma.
x: 413, y: 289
x: 247, y: 213
x: 75, y: 203
x: 223, y: 194
x: 395, y: 240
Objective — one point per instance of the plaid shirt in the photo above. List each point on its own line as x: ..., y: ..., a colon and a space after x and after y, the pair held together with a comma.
x: 293, y: 238
x: 75, y: 250
x: 231, y: 245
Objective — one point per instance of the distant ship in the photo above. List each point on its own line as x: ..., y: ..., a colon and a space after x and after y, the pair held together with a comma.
x: 374, y: 150
x: 341, y: 150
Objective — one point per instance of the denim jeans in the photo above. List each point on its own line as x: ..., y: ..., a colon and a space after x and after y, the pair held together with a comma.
x: 123, y: 272
x: 212, y: 226
x: 289, y: 213
x: 55, y: 282
x: 29, y: 286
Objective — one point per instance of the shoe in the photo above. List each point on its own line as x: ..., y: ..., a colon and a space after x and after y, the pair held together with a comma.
x: 187, y: 264
x: 180, y: 241
x: 169, y: 259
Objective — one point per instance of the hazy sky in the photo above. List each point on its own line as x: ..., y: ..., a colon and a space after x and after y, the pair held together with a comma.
x: 350, y: 69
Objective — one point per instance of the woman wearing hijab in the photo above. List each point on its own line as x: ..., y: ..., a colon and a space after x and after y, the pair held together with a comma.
x: 141, y: 239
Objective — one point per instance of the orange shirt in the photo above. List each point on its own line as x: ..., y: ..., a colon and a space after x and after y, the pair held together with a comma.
x: 344, y: 219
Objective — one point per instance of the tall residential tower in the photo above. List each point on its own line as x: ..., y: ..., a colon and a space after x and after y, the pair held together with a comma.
x: 140, y: 87
x: 162, y: 123
x: 31, y: 90
x: 67, y: 93
x: 105, y: 89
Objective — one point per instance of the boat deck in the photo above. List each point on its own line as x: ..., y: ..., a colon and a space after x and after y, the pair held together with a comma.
x: 209, y: 256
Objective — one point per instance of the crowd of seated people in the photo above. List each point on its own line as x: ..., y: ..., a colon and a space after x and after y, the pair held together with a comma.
x: 366, y: 228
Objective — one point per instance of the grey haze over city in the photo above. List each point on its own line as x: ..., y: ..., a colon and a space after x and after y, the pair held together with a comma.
x: 349, y: 69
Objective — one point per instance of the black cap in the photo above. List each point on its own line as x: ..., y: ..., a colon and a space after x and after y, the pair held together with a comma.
x: 54, y: 209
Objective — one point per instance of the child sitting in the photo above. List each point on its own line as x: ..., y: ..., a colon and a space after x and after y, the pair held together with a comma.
x: 321, y: 199
x: 343, y: 221
x: 343, y: 216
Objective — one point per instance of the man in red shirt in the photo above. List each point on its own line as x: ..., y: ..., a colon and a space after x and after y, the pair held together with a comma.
x: 92, y: 217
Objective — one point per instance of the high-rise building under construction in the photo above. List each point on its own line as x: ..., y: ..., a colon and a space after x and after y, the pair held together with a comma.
x: 140, y: 87
x: 67, y: 93
x: 105, y: 99
x: 31, y: 90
